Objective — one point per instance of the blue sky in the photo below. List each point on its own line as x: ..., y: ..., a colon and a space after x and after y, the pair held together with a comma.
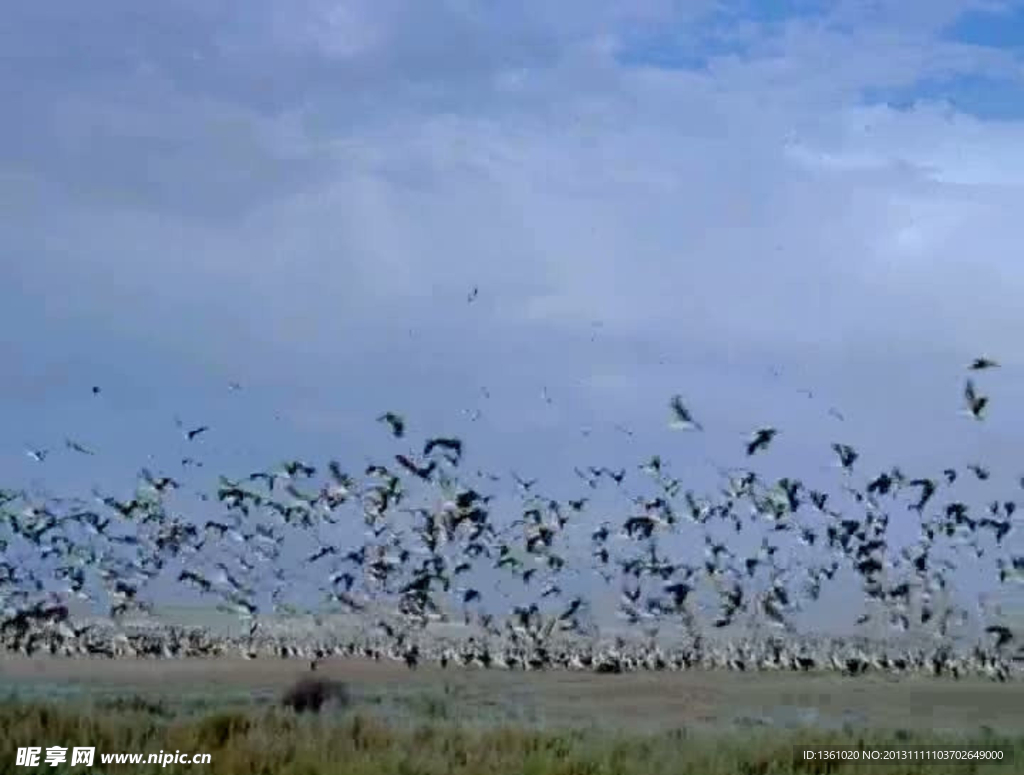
x: 731, y: 201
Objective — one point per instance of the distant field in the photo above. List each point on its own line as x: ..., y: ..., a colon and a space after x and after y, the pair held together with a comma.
x: 440, y: 733
x: 641, y: 702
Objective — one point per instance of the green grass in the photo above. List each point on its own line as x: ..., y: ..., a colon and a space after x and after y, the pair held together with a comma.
x: 263, y: 739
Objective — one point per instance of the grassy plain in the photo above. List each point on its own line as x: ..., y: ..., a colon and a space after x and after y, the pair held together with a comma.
x: 482, y: 722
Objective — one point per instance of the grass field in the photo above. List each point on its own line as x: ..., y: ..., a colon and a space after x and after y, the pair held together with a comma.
x: 477, y: 722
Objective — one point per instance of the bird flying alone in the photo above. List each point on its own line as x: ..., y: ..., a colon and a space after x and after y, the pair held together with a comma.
x: 681, y: 417
x: 847, y: 455
x: 979, y: 364
x: 760, y: 440
x: 76, y: 447
x: 976, y: 403
x: 395, y: 422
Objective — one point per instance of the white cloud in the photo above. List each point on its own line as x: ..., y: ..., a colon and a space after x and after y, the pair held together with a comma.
x: 304, y: 195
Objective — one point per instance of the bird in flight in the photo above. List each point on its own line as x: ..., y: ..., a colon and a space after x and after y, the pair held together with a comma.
x: 979, y: 364
x: 191, y: 434
x: 74, y: 445
x: 681, y: 417
x: 396, y: 423
x: 847, y: 455
x: 760, y: 440
x: 976, y: 403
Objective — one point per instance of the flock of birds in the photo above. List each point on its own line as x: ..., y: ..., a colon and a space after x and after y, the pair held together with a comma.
x: 415, y: 541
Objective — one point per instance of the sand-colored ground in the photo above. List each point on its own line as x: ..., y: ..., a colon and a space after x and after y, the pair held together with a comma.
x: 640, y: 700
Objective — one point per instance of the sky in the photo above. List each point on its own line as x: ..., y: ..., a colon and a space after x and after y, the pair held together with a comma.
x: 733, y: 201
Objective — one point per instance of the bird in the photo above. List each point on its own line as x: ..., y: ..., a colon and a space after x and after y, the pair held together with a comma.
x: 979, y: 364
x: 121, y: 551
x: 976, y: 403
x: 980, y: 472
x: 1003, y: 634
x: 681, y: 417
x: 847, y: 455
x: 421, y: 472
x: 75, y: 446
x: 192, y: 434
x: 395, y: 422
x: 452, y: 445
x: 761, y: 439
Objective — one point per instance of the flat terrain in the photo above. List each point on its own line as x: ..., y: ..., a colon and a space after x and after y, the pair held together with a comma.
x: 641, y: 701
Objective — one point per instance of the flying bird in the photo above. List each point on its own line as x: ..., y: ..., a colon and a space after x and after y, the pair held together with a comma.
x: 422, y: 472
x: 976, y: 403
x: 452, y: 445
x: 980, y: 472
x: 74, y: 445
x: 847, y: 455
x: 978, y: 364
x: 760, y: 440
x: 395, y: 422
x: 681, y: 417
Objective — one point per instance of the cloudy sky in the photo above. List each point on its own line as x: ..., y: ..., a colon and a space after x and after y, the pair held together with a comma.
x: 734, y: 201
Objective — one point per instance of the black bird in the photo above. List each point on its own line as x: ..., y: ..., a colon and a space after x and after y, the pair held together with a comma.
x: 296, y: 468
x: 159, y: 483
x: 681, y: 417
x: 1003, y: 634
x: 979, y: 471
x: 450, y: 444
x: 74, y: 445
x: 847, y: 455
x: 197, y: 431
x: 979, y: 364
x: 423, y: 472
x: 976, y: 403
x: 927, y: 491
x: 396, y: 423
x: 761, y: 439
